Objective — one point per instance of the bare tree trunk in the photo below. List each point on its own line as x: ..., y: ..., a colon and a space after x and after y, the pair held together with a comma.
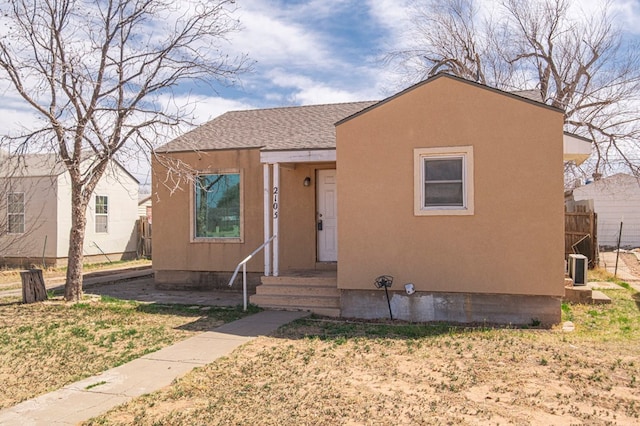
x: 73, y: 286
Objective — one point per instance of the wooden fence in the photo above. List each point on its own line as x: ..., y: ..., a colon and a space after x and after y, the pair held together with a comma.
x: 144, y: 237
x: 581, y: 234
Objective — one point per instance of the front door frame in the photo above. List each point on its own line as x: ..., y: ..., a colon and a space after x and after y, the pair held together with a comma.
x: 326, y: 216
x: 272, y: 161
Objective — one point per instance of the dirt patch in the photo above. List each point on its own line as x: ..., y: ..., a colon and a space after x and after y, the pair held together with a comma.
x: 491, y: 378
x: 631, y: 261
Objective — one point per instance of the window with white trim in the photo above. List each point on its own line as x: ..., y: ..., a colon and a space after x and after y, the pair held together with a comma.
x: 443, y: 181
x: 102, y: 214
x: 15, y: 213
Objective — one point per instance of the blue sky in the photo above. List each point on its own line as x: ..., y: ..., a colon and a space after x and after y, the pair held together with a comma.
x: 311, y: 52
x: 324, y: 51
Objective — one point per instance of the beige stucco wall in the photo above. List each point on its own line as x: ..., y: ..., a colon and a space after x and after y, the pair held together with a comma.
x: 298, y: 245
x: 512, y: 244
x: 173, y: 246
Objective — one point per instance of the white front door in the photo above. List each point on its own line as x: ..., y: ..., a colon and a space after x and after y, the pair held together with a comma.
x: 327, y: 216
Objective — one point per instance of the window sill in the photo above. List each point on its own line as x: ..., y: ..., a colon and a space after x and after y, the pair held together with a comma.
x: 444, y: 212
x: 216, y: 240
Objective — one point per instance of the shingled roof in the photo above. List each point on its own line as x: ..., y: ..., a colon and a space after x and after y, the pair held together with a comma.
x: 273, y: 129
x: 40, y: 165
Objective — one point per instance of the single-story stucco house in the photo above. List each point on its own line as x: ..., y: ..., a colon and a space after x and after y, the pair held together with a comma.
x: 452, y: 188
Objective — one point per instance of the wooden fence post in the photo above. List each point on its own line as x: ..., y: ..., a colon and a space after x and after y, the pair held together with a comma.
x: 33, y: 288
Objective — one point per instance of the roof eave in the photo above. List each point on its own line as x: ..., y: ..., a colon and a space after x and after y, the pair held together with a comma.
x: 460, y: 79
x: 298, y: 156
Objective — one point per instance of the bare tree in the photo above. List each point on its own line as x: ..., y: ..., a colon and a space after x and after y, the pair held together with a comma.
x: 95, y: 73
x: 575, y: 60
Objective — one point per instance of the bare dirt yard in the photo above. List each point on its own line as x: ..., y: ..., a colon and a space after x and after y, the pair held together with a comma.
x: 325, y: 372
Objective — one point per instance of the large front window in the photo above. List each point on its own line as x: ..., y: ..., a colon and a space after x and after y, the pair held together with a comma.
x: 15, y: 209
x: 217, y: 206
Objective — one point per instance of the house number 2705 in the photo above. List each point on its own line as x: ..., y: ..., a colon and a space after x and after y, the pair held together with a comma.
x: 275, y: 204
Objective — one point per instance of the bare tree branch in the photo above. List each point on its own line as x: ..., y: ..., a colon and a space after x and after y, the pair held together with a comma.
x: 577, y: 61
x: 94, y: 73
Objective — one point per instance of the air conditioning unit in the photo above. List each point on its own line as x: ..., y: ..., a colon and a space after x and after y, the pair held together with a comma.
x: 578, y: 268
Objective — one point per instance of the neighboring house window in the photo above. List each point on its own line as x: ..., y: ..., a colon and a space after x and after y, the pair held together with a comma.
x: 443, y: 181
x: 15, y: 209
x: 102, y: 216
x: 217, y: 212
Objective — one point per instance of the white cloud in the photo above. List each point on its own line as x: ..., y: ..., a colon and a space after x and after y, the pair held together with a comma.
x: 14, y: 118
x: 209, y: 107
x: 306, y: 90
x: 627, y: 12
x: 270, y: 36
x: 199, y: 108
x: 390, y: 14
x: 306, y: 53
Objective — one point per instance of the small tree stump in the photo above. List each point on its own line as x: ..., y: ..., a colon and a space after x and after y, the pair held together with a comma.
x: 33, y: 289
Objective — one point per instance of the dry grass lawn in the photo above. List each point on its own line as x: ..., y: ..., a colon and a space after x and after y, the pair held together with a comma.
x: 325, y: 372
x: 44, y: 346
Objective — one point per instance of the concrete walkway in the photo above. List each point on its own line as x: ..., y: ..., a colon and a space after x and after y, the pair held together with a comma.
x: 608, y: 261
x: 93, y: 396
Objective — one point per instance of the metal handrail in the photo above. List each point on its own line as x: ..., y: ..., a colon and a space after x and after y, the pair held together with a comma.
x: 243, y: 263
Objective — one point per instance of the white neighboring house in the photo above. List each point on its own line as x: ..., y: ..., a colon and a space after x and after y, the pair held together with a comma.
x: 615, y: 198
x: 35, y: 213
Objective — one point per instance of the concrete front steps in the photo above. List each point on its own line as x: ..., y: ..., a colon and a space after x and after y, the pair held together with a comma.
x: 584, y: 294
x: 317, y: 293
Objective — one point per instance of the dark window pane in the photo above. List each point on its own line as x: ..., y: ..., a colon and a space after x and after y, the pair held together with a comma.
x: 15, y: 203
x: 217, y: 206
x: 16, y: 224
x: 101, y: 204
x: 444, y: 169
x: 443, y: 194
x: 101, y: 214
x: 15, y: 215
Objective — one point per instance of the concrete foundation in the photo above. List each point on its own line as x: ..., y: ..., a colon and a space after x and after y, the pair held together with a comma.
x: 452, y: 307
x: 204, y: 280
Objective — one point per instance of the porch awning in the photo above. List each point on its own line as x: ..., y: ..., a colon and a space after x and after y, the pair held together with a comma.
x: 298, y: 156
x: 576, y: 148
